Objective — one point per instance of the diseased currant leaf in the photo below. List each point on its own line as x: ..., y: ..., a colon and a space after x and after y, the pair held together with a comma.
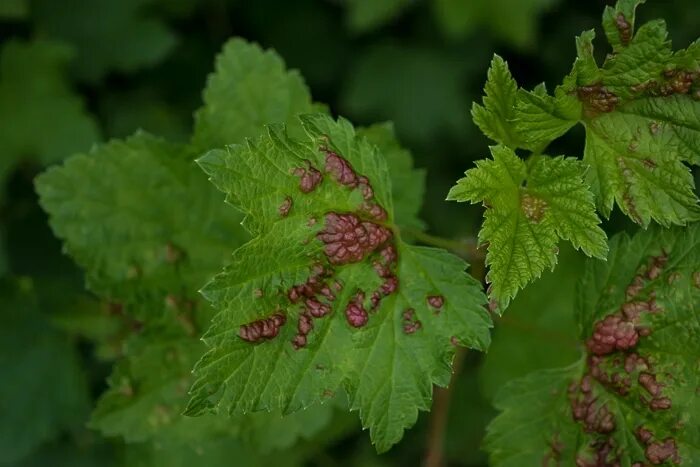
x: 147, y: 251
x: 150, y: 262
x: 249, y: 89
x: 529, y: 207
x: 641, y: 112
x: 407, y: 182
x: 326, y: 294
x: 44, y: 390
x: 632, y: 398
x: 36, y: 100
x: 107, y: 35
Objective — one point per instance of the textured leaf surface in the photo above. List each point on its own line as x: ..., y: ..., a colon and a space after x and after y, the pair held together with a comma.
x: 529, y: 207
x: 34, y: 408
x: 303, y: 311
x: 107, y: 35
x: 36, y: 100
x: 633, y: 396
x: 641, y: 112
x: 140, y: 218
x: 539, y: 330
x: 249, y: 89
x: 495, y: 117
x: 407, y: 182
x: 147, y: 224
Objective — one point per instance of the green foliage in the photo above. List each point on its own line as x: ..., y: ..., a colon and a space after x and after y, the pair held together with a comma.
x: 250, y: 88
x: 513, y: 21
x: 529, y: 207
x: 366, y: 15
x: 639, y: 110
x: 272, y: 318
x: 262, y: 177
x: 389, y: 82
x: 138, y: 246
x: 34, y: 94
x: 616, y: 392
x: 108, y: 35
x: 13, y: 9
x: 536, y: 333
x: 147, y: 252
x: 44, y: 390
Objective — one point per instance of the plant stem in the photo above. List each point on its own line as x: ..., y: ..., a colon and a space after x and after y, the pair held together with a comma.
x: 465, y: 248
x: 439, y: 415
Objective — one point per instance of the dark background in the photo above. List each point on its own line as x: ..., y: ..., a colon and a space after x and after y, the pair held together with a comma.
x: 143, y: 63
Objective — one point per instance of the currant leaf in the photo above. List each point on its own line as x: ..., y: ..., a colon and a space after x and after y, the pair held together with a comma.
x: 529, y: 207
x: 147, y: 260
x: 163, y: 239
x: 631, y: 399
x: 250, y: 88
x: 641, y: 113
x: 495, y: 117
x: 327, y: 294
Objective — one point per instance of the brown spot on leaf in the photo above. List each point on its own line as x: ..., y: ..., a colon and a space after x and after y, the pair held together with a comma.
x: 349, y: 240
x: 355, y: 312
x: 662, y: 451
x: 624, y: 28
x: 309, y: 178
x: 265, y: 328
x: 285, y: 207
x: 534, y: 208
x: 340, y: 169
x: 597, y: 99
x: 436, y: 301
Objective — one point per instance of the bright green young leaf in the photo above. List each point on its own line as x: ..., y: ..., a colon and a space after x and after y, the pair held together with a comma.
x: 495, y: 117
x: 529, y: 207
x: 250, y: 88
x: 107, y: 35
x: 326, y: 294
x: 633, y: 397
x: 36, y: 100
x: 44, y: 390
x: 641, y: 112
x: 513, y: 21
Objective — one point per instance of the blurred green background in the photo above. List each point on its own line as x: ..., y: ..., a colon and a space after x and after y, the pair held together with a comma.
x: 77, y: 72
